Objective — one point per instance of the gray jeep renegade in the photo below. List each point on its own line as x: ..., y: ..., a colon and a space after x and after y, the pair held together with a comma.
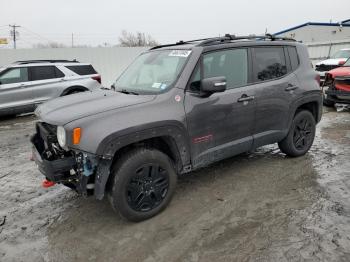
x: 175, y: 109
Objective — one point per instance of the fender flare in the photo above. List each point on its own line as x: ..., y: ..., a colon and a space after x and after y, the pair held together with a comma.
x: 310, y: 97
x: 173, y: 129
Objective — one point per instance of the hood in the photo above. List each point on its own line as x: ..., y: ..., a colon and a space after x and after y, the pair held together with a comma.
x: 63, y: 110
x: 340, y: 71
x: 331, y: 61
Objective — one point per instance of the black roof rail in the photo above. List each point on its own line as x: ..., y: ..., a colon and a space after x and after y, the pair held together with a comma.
x: 227, y: 38
x: 22, y: 62
x: 230, y: 38
x: 181, y: 42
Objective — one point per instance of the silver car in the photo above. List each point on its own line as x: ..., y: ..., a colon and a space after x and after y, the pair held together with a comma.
x: 25, y: 84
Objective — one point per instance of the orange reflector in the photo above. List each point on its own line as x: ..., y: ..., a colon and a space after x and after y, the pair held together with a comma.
x: 76, y: 135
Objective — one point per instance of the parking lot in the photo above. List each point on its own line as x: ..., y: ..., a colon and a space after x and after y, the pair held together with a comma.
x: 260, y: 206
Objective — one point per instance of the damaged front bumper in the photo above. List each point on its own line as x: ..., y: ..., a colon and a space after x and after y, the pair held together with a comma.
x: 339, y: 89
x: 338, y: 96
x: 77, y: 170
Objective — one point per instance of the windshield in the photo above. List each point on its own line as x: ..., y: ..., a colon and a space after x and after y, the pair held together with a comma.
x: 152, y: 72
x: 341, y: 54
x: 347, y: 63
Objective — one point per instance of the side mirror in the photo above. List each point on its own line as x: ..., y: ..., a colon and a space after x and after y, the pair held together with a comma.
x: 213, y: 84
x: 113, y: 87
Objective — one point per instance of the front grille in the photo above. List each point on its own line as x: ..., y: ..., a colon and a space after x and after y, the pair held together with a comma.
x: 325, y: 68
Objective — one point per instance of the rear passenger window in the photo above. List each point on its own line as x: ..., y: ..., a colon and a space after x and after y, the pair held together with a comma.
x: 293, y: 56
x: 232, y: 64
x: 43, y: 72
x: 270, y: 63
x: 82, y: 69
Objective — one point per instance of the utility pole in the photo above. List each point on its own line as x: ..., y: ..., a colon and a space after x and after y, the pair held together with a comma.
x: 14, y: 34
x: 72, y: 40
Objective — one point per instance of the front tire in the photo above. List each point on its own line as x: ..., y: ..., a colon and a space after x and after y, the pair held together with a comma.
x: 300, y: 136
x: 142, y: 184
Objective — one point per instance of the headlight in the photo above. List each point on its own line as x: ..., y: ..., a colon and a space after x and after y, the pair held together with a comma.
x: 61, y: 136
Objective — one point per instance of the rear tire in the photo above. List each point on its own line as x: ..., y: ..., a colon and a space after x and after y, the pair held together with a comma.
x: 142, y: 184
x: 300, y: 136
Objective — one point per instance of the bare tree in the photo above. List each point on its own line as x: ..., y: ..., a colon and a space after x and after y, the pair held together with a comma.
x: 138, y: 39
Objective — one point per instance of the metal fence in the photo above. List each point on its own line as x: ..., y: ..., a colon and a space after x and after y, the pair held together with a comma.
x: 109, y: 62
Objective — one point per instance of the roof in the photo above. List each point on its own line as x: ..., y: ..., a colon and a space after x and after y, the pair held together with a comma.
x: 342, y: 23
x: 228, y: 38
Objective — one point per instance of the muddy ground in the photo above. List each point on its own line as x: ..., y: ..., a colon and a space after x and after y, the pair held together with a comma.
x: 261, y: 206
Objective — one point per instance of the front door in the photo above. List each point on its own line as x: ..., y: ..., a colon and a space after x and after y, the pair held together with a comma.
x: 221, y: 125
x: 16, y: 96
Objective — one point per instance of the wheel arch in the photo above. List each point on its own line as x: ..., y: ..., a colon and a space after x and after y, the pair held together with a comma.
x: 311, y: 103
x: 170, y: 139
x: 74, y: 88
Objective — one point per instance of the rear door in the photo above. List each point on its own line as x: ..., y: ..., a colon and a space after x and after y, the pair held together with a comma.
x: 15, y: 93
x: 221, y: 125
x: 47, y: 82
x: 276, y: 87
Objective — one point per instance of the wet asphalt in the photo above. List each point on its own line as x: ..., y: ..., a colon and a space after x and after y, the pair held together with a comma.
x: 261, y: 206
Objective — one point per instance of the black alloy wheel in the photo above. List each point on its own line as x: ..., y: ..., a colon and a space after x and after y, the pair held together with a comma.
x: 147, y: 189
x: 302, y: 134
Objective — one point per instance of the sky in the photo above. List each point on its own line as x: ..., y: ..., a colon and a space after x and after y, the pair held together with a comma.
x: 99, y: 22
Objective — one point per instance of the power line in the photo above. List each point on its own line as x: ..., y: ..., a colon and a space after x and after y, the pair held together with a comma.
x: 40, y: 36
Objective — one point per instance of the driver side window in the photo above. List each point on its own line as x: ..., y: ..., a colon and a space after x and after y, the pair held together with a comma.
x: 14, y: 75
x: 231, y: 63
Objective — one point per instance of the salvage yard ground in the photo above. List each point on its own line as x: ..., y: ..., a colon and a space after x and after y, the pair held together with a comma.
x: 260, y: 206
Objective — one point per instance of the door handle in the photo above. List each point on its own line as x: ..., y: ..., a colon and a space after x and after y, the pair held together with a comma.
x: 291, y: 87
x: 245, y: 98
x: 22, y: 85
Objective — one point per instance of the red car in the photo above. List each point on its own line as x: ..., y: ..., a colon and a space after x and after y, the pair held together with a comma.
x: 338, y: 83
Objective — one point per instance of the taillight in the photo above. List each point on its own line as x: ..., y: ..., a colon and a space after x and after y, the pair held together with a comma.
x: 341, y: 62
x: 97, y: 78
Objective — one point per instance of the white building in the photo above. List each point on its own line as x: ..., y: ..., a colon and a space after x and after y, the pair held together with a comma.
x: 318, y: 32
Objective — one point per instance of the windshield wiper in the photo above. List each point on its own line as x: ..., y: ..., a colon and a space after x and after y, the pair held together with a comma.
x: 124, y: 91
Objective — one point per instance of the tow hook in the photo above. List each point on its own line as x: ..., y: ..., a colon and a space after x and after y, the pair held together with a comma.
x: 46, y: 183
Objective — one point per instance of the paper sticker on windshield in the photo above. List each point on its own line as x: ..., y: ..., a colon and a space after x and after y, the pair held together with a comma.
x: 181, y: 53
x: 156, y: 85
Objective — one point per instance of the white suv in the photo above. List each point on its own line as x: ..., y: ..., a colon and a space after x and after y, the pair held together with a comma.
x: 25, y: 84
x: 336, y: 60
